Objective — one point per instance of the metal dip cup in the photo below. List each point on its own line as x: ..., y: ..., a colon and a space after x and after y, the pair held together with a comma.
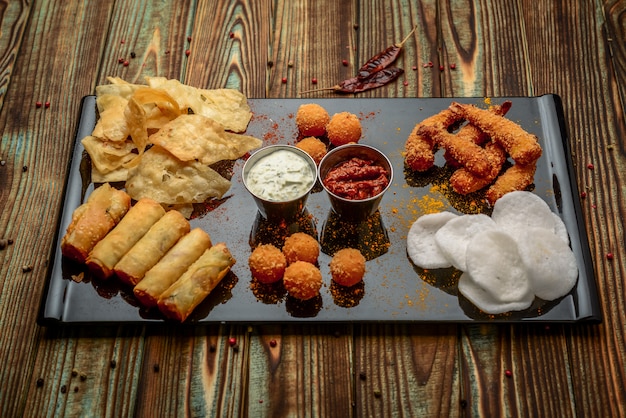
x: 350, y: 209
x: 277, y: 210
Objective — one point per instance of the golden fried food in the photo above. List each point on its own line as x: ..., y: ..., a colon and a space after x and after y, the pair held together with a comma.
x: 311, y: 119
x: 347, y: 267
x: 343, y: 128
x: 314, y: 147
x: 523, y: 147
x: 471, y: 156
x: 517, y: 177
x: 301, y: 247
x: 93, y: 220
x: 302, y: 280
x: 469, y: 132
x: 267, y: 263
x: 420, y: 148
x: 464, y: 181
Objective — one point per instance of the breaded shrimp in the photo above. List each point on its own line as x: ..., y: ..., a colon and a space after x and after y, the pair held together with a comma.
x: 517, y: 177
x: 419, y: 148
x: 464, y: 181
x: 523, y: 147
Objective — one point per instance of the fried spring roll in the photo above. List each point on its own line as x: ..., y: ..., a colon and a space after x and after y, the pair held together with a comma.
x: 151, y: 247
x: 175, y: 262
x: 523, y: 147
x: 106, y: 254
x: 93, y: 220
x: 180, y: 299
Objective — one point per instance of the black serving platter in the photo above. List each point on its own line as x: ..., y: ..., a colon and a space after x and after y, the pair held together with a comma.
x: 394, y: 290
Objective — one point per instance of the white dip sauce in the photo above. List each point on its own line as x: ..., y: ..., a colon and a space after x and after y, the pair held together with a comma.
x: 280, y: 176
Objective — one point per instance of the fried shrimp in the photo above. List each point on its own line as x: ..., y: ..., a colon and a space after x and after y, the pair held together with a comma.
x: 470, y: 155
x: 523, y: 147
x: 517, y: 177
x: 420, y: 148
x: 464, y: 181
x: 473, y: 133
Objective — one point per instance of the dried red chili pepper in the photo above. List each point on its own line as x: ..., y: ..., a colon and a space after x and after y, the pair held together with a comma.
x: 355, y: 85
x: 382, y: 60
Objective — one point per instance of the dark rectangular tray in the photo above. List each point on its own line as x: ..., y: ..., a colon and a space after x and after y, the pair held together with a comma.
x: 393, y: 290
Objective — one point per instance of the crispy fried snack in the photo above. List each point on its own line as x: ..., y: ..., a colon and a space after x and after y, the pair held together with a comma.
x: 464, y: 181
x: 419, y: 148
x: 472, y: 133
x: 523, y: 147
x: 517, y: 177
x: 470, y: 155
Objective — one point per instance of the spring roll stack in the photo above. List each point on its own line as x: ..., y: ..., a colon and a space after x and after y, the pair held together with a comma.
x: 170, y: 266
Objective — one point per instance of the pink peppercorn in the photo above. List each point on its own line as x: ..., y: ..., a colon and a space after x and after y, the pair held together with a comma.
x: 590, y: 166
x: 37, y: 104
x: 609, y: 256
x: 273, y: 343
x: 232, y: 341
x: 508, y: 373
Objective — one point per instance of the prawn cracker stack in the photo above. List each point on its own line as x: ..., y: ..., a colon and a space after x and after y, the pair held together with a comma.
x: 478, y: 150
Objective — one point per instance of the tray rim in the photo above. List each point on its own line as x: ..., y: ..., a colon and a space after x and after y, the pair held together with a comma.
x: 85, y: 119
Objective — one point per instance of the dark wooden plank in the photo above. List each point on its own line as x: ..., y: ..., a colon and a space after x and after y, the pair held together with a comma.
x: 232, y: 51
x: 62, y: 69
x: 13, y: 18
x: 407, y: 371
x: 36, y: 145
x: 594, y: 113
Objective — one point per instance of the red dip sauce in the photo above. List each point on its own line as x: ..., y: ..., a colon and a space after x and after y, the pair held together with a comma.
x: 356, y: 179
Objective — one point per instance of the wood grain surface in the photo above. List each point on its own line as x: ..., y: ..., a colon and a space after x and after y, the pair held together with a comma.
x: 57, y: 51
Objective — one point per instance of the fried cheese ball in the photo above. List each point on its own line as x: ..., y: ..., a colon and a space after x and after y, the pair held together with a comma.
x: 347, y: 267
x: 343, y: 128
x: 301, y: 247
x: 314, y: 147
x: 312, y: 119
x: 302, y: 280
x: 267, y: 263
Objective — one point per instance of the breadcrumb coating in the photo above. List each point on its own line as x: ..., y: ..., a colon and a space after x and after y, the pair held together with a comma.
x: 311, y: 119
x: 314, y: 147
x: 343, y: 128
x: 267, y: 263
x: 302, y: 280
x: 347, y: 267
x: 301, y: 247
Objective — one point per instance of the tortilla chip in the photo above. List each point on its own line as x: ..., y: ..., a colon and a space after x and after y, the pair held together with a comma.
x: 107, y: 156
x: 136, y: 119
x: 162, y: 177
x: 195, y: 137
x: 112, y: 124
x: 226, y: 106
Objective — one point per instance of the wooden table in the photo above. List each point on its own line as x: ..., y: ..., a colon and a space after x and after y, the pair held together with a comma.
x: 56, y: 52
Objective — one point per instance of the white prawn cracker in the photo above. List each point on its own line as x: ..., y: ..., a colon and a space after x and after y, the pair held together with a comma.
x: 420, y: 243
x: 453, y: 238
x: 520, y: 210
x: 496, y: 280
x: 550, y: 263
